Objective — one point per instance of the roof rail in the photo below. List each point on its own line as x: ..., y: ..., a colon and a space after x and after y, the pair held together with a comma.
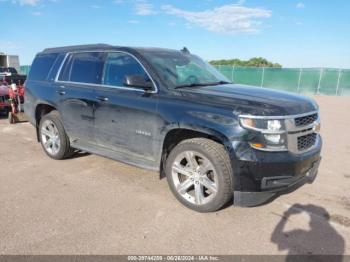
x: 76, y: 47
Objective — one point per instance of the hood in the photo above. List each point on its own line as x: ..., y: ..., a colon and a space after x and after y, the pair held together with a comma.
x: 252, y: 100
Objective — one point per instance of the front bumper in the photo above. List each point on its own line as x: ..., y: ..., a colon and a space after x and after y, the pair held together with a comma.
x: 260, y: 177
x: 284, y: 185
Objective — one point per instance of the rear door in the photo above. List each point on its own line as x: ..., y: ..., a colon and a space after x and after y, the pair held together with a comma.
x: 126, y: 118
x: 74, y: 90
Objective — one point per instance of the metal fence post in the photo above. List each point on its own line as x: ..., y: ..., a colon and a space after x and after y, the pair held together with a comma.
x: 262, y: 77
x: 319, y: 82
x: 338, y: 82
x: 300, y: 71
x: 233, y: 69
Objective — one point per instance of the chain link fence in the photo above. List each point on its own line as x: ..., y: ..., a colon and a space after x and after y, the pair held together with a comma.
x: 324, y: 81
x: 25, y: 69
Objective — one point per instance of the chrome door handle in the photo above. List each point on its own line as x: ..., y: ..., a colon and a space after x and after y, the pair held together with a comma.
x: 102, y: 98
x: 61, y: 92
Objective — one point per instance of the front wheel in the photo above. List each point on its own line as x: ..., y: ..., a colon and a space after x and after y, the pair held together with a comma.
x: 53, y: 137
x: 199, y: 174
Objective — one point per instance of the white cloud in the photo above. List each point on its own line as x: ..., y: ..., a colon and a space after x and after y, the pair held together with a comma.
x: 231, y: 18
x: 300, y: 5
x: 26, y: 2
x: 144, y: 8
x: 29, y: 2
x: 299, y: 23
x: 135, y: 22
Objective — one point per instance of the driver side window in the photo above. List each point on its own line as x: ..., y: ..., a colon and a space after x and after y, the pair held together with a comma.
x: 118, y: 66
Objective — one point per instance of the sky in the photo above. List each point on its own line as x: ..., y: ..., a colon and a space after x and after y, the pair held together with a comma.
x: 294, y: 33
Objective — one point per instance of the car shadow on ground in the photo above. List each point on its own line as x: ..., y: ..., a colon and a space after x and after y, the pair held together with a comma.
x: 321, y: 238
x: 78, y: 154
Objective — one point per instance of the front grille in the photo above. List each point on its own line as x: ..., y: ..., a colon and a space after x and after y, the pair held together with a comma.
x: 307, y: 141
x: 306, y: 120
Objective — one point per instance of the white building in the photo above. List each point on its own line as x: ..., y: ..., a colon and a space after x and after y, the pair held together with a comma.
x: 9, y: 61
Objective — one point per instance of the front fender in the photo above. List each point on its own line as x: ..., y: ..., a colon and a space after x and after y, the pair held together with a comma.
x: 223, y: 125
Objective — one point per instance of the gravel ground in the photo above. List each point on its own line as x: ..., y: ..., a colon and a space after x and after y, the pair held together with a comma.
x: 93, y: 205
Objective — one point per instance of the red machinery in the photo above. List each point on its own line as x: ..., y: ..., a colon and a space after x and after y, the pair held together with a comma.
x: 16, y: 95
x: 5, y: 105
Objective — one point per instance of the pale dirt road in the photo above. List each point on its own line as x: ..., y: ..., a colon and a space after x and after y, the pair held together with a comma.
x: 92, y: 205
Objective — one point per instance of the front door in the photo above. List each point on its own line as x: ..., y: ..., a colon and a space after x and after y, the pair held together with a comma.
x: 126, y: 118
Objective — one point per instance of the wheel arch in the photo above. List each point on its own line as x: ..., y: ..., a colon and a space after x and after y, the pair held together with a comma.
x: 40, y: 110
x: 174, y: 136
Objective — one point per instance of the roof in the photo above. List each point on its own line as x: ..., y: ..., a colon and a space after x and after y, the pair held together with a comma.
x: 101, y: 47
x: 77, y: 48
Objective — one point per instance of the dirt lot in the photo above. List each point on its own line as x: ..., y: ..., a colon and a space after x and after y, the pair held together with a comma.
x: 92, y: 205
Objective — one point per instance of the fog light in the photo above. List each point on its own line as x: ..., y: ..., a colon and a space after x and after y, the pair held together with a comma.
x: 275, y: 139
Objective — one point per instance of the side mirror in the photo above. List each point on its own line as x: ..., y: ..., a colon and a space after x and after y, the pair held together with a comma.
x: 138, y: 81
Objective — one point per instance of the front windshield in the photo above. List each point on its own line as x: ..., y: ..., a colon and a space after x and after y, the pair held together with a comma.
x: 182, y: 69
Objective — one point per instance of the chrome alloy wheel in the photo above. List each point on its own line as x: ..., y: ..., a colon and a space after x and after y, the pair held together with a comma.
x: 194, y: 177
x: 50, y: 137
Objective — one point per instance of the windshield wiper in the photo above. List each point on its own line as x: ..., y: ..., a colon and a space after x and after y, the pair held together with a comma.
x: 191, y: 85
x: 203, y: 84
x: 219, y: 83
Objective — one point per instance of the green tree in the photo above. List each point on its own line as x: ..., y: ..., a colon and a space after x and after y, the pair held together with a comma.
x: 253, y: 62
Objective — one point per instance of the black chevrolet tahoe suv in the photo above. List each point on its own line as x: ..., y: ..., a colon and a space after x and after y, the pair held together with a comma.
x: 169, y: 111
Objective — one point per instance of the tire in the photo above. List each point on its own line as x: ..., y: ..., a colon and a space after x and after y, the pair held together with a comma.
x: 203, y: 184
x: 53, y: 137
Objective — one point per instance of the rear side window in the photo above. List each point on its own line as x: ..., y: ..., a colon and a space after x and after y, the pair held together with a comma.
x: 55, y: 67
x: 41, y: 67
x: 83, y: 68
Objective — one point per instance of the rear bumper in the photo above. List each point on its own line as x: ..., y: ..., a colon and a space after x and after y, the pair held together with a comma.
x: 29, y: 109
x: 260, y: 177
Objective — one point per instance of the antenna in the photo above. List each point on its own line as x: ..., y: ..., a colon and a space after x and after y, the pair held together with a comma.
x: 185, y: 50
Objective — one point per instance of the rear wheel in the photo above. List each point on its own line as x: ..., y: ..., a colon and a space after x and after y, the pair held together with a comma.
x: 199, y: 174
x: 53, y: 137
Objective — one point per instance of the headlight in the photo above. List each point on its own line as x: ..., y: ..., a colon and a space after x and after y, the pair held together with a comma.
x: 269, y: 126
x: 271, y: 133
